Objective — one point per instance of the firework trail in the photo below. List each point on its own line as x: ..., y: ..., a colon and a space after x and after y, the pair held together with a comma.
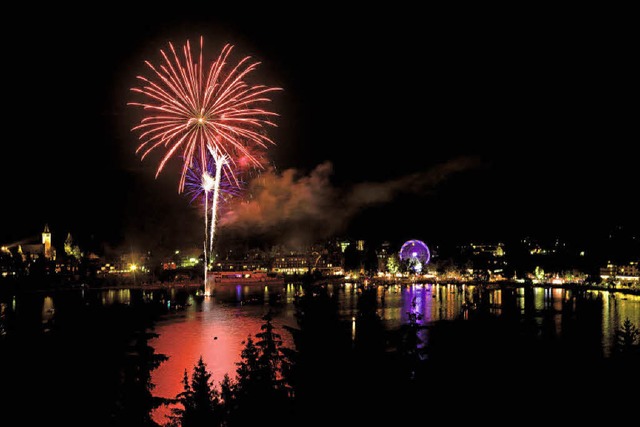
x: 199, y: 183
x: 201, y: 110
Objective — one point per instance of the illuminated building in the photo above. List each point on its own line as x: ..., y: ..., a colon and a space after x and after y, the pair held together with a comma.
x: 124, y: 264
x: 484, y: 261
x: 481, y: 249
x: 49, y: 252
x: 238, y: 260
x: 383, y: 254
x: 185, y: 258
x: 291, y: 263
x: 327, y: 260
x: 33, y: 251
x: 628, y: 273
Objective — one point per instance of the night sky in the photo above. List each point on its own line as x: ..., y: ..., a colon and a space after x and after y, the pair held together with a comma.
x: 538, y: 106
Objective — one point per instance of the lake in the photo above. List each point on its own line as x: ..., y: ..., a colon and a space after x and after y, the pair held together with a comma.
x: 215, y: 327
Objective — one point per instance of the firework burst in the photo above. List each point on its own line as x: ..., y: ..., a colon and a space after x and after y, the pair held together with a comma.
x: 200, y: 182
x: 194, y: 109
x: 211, y: 116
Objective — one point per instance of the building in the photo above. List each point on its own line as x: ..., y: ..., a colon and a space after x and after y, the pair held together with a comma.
x: 326, y: 259
x: 621, y: 274
x: 33, y: 251
x: 382, y: 254
x: 49, y: 252
x: 291, y: 263
x: 483, y: 249
x: 185, y: 258
x: 242, y: 260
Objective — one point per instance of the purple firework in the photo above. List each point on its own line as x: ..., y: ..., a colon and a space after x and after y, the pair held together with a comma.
x: 199, y: 181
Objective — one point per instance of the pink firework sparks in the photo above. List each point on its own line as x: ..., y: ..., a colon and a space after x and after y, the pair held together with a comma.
x: 194, y: 109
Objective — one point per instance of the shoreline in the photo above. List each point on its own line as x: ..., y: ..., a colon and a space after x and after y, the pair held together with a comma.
x: 74, y: 287
x: 497, y: 285
x: 12, y: 290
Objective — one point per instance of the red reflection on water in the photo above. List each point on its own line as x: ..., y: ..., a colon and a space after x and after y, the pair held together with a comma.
x: 216, y: 333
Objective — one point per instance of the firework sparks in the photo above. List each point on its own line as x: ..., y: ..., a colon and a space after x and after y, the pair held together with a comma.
x: 210, y: 179
x: 200, y: 182
x: 193, y: 108
x: 210, y: 115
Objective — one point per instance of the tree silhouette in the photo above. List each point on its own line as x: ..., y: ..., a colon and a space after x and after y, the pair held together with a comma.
x: 261, y: 392
x: 272, y: 360
x: 323, y: 344
x: 136, y: 400
x: 625, y: 339
x: 248, y: 368
x: 227, y: 397
x: 175, y: 420
x: 199, y: 400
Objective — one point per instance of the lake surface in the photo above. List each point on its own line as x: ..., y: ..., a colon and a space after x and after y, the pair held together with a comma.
x: 215, y: 327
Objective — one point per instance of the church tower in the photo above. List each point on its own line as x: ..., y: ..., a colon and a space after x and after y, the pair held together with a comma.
x: 46, y: 241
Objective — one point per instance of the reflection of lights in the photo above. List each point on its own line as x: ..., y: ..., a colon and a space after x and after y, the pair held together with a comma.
x: 353, y: 328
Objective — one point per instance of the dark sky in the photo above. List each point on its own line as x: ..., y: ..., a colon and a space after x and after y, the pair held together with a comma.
x: 544, y: 101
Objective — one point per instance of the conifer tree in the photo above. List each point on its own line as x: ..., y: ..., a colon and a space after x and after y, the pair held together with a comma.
x: 199, y: 400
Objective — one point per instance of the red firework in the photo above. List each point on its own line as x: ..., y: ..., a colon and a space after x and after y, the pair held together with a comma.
x: 194, y: 109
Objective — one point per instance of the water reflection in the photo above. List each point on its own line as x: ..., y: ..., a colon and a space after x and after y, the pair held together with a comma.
x: 215, y: 327
x: 113, y: 296
x: 3, y: 316
x: 48, y: 311
x: 547, y: 308
x: 615, y: 309
x: 236, y: 312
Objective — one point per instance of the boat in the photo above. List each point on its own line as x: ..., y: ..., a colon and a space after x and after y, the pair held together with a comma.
x: 246, y: 278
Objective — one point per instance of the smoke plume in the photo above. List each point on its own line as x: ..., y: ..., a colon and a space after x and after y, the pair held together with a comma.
x: 303, y: 208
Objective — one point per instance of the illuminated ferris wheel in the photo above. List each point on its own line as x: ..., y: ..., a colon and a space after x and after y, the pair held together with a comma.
x: 416, y: 254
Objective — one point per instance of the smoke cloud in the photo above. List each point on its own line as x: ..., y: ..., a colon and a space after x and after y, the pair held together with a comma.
x: 302, y: 208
